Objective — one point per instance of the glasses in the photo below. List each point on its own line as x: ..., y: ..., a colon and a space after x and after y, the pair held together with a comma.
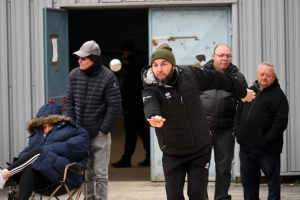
x: 268, y: 76
x: 223, y: 56
x: 82, y: 58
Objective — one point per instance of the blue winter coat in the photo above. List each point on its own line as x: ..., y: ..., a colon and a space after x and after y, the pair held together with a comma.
x: 66, y: 143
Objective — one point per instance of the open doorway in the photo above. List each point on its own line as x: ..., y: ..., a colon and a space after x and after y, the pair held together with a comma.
x: 110, y: 28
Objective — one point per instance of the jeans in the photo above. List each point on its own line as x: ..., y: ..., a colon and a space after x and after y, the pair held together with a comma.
x: 99, y: 154
x: 195, y: 166
x: 251, y: 164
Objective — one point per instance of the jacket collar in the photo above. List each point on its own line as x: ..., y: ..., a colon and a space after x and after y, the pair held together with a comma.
x: 232, y: 69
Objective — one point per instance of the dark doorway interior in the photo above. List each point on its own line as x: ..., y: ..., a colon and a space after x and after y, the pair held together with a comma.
x: 110, y: 28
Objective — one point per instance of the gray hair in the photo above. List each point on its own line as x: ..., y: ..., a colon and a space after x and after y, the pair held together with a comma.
x: 267, y: 64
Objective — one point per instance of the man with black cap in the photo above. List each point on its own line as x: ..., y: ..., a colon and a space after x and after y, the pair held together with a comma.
x: 94, y: 102
x: 172, y: 106
x: 134, y: 120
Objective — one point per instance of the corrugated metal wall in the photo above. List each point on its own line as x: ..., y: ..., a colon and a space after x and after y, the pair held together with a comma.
x: 4, y: 110
x: 268, y: 31
x: 292, y: 54
x: 262, y: 36
x: 22, y: 71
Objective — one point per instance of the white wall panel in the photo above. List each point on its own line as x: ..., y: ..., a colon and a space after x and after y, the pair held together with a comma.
x: 250, y: 30
x: 4, y: 87
x: 111, y: 1
x: 88, y: 1
x: 273, y: 35
x: 140, y: 3
x: 65, y: 1
x: 293, y: 81
x: 22, y: 71
x: 37, y: 53
x: 20, y: 68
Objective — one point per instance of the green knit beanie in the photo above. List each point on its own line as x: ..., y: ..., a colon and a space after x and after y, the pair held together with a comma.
x: 164, y: 51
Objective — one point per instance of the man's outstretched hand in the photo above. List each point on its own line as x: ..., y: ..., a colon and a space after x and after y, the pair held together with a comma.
x: 156, y: 121
x: 249, y: 97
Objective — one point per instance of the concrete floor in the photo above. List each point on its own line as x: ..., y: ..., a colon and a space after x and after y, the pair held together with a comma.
x: 135, y: 173
x: 146, y: 190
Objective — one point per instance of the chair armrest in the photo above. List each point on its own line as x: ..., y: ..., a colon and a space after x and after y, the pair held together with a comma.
x: 76, y: 168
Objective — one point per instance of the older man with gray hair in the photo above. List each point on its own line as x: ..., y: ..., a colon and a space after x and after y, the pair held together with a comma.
x: 259, y: 127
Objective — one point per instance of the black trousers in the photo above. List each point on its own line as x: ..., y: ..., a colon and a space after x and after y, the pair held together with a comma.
x: 135, y: 125
x: 195, y: 166
x: 223, y: 145
x: 27, y: 177
x: 251, y: 167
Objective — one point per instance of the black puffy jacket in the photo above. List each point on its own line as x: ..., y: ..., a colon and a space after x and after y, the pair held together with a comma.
x: 219, y: 105
x: 186, y: 129
x: 94, y: 101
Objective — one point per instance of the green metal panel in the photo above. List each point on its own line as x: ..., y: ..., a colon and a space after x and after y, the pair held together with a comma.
x: 56, y: 56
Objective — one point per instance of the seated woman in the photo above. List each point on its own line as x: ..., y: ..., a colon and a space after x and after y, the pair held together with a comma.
x: 55, y: 141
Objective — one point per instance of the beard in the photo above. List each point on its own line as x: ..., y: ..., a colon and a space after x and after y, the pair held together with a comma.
x: 163, y: 82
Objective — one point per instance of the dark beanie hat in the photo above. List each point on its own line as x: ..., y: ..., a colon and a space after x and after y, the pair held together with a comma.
x: 164, y: 51
x: 93, y: 58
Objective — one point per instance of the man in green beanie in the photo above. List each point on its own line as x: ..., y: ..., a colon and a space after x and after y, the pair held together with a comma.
x: 172, y: 106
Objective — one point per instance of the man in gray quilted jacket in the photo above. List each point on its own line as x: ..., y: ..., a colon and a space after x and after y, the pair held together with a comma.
x: 94, y: 102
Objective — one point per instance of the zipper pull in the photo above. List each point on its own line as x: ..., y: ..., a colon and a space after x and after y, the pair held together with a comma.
x: 181, y: 99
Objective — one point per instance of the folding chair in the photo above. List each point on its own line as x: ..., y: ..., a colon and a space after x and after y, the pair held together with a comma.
x: 57, y: 189
x: 13, y: 189
x: 62, y: 187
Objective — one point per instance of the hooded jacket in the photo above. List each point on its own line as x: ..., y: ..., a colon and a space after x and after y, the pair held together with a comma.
x: 186, y: 129
x: 94, y: 99
x: 219, y: 105
x: 65, y: 143
x: 259, y: 125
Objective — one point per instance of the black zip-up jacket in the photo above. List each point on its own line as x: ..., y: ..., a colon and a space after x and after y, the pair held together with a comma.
x: 94, y: 100
x: 186, y: 129
x: 259, y: 125
x: 220, y: 106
